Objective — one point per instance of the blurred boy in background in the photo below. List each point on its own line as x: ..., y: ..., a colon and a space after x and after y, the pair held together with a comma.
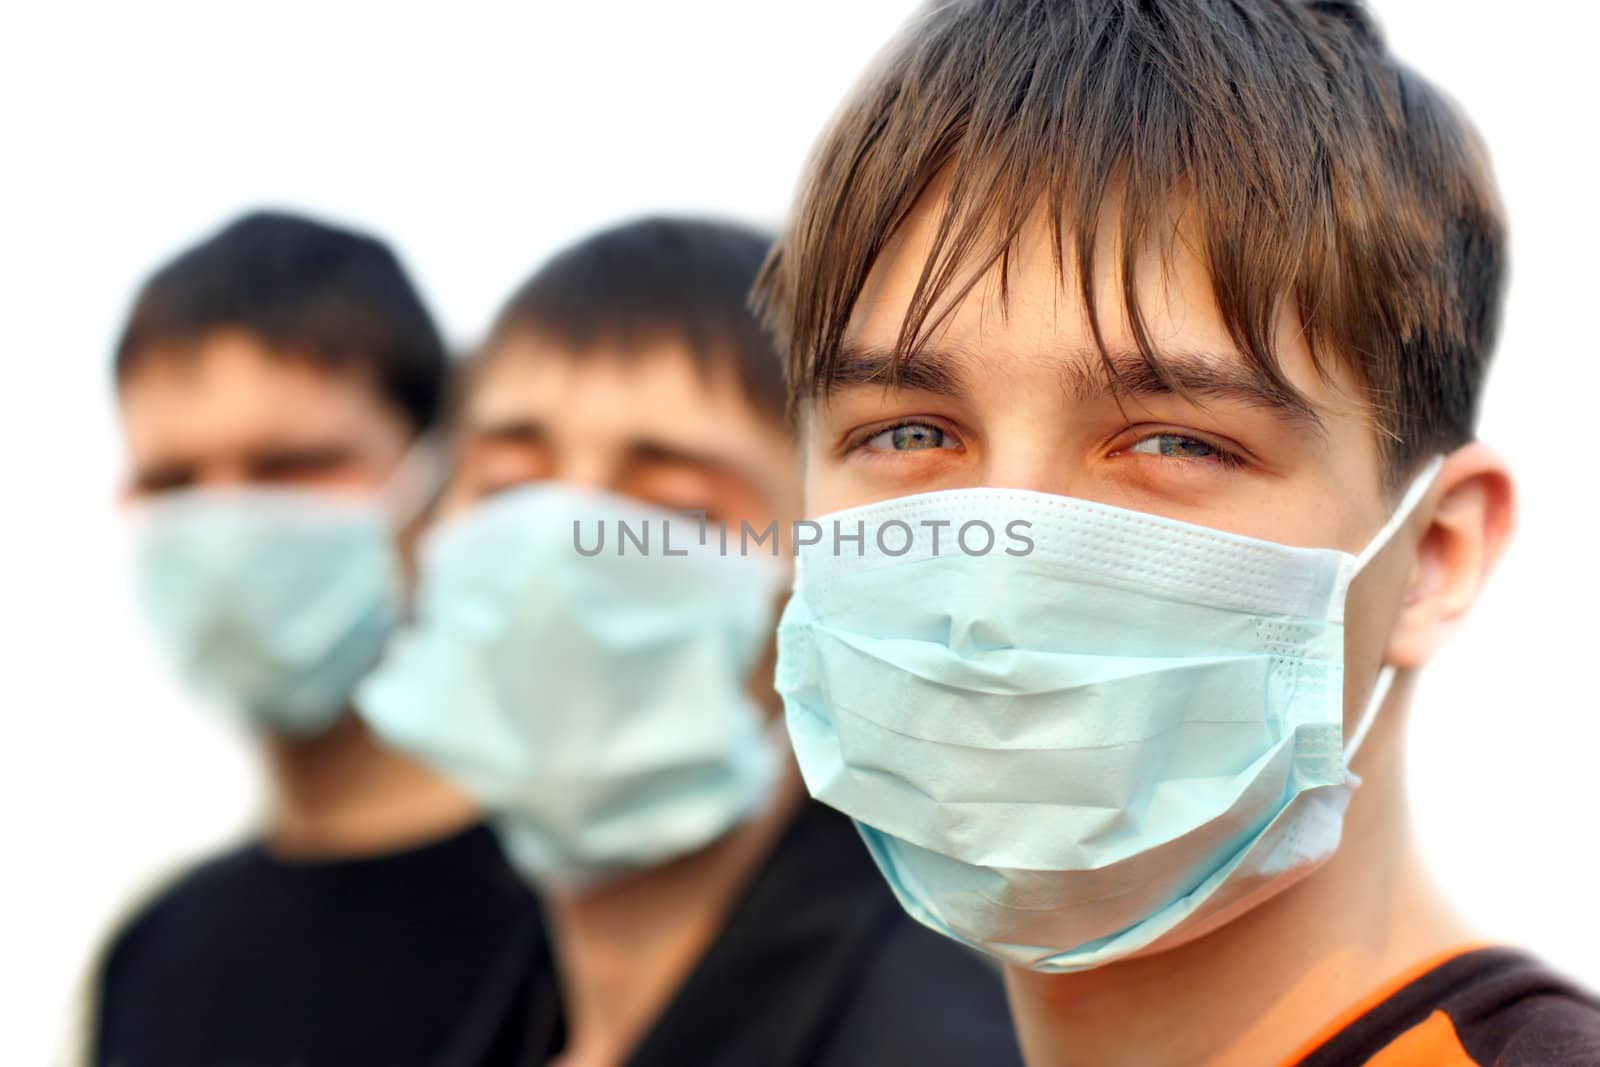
x: 272, y: 379
x: 612, y: 707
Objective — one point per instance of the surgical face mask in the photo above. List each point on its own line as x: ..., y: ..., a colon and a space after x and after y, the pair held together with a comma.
x: 595, y: 705
x: 271, y: 602
x: 1108, y: 735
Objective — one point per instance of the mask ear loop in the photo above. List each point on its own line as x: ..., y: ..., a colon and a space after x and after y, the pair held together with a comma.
x: 1380, y: 688
x: 1408, y: 503
x: 1369, y: 714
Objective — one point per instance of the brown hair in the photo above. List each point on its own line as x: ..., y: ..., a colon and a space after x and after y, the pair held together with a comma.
x: 301, y: 286
x: 1320, y: 170
x: 684, y: 279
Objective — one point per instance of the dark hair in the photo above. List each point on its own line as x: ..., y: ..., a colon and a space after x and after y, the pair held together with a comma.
x: 304, y: 288
x: 1322, y: 174
x: 680, y: 279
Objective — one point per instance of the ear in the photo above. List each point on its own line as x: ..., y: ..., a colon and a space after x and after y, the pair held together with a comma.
x: 1469, y: 516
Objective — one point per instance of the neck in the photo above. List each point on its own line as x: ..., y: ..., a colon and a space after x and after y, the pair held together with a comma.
x: 625, y: 948
x: 1256, y: 990
x: 341, y: 795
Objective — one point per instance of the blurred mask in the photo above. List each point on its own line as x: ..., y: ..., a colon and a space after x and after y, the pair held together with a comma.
x: 273, y: 602
x: 595, y: 705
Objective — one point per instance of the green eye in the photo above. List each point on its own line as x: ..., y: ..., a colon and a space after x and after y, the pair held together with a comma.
x: 1177, y: 446
x: 910, y: 437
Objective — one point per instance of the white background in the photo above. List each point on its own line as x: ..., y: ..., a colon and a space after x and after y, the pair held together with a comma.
x: 480, y: 137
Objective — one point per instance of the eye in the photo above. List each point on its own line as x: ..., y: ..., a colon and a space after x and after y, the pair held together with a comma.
x: 1182, y: 446
x: 165, y: 479
x: 910, y: 437
x: 296, y: 464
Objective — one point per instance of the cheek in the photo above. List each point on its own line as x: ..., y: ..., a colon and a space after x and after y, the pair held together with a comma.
x: 828, y: 486
x: 457, y: 497
x: 741, y: 504
x: 831, y: 482
x: 834, y: 483
x: 671, y: 487
x: 1371, y: 611
x: 502, y: 466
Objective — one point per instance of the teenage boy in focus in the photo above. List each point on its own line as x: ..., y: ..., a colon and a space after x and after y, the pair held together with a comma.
x: 1204, y: 295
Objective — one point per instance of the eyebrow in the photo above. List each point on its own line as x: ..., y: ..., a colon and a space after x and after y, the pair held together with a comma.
x: 509, y: 429
x: 1088, y: 375
x: 657, y: 452
x: 163, y: 474
x: 521, y: 429
x: 932, y: 370
x: 258, y: 460
x: 1219, y: 376
x: 286, y: 457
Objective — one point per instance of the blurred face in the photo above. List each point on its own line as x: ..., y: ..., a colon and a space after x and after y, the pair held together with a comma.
x: 1016, y: 396
x: 650, y: 425
x: 232, y: 412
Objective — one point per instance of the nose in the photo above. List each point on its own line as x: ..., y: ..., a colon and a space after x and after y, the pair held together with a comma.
x: 591, y: 468
x: 1038, y: 481
x: 222, y: 474
x: 1033, y: 466
x: 1028, y: 442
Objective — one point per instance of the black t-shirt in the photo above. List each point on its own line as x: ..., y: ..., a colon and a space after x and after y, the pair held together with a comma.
x: 1489, y: 1006
x: 816, y: 966
x: 252, y: 961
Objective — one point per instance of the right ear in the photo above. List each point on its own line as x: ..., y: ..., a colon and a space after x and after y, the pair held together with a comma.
x: 1473, y: 514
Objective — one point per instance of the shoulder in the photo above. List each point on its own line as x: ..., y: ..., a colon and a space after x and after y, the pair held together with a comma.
x: 925, y: 999
x: 175, y: 903
x: 1521, y: 1013
x: 1488, y: 1006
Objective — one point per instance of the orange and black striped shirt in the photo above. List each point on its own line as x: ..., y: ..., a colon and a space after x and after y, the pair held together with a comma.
x: 1476, y: 1008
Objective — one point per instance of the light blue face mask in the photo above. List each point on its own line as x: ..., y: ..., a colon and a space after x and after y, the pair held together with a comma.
x: 270, y: 602
x: 595, y: 705
x: 1108, y: 745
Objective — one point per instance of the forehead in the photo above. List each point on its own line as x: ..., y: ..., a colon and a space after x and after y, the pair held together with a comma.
x: 656, y: 390
x: 1027, y: 310
x: 229, y: 390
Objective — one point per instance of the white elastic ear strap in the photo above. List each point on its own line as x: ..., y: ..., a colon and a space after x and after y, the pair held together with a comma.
x: 1414, y: 493
x: 1380, y: 688
x: 1369, y: 714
